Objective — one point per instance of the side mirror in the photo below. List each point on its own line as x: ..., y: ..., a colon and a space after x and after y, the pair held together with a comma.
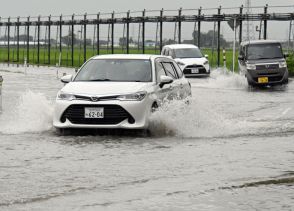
x: 165, y: 80
x: 241, y: 57
x: 77, y: 70
x: 66, y: 79
x: 206, y: 56
x: 286, y: 55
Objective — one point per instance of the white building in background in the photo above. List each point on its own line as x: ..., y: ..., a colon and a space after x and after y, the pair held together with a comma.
x: 150, y: 43
x: 21, y: 43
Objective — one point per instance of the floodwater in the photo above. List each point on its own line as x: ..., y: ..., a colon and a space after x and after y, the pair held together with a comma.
x: 232, y: 148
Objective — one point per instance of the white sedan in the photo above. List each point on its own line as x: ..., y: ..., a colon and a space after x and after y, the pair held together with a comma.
x: 118, y: 91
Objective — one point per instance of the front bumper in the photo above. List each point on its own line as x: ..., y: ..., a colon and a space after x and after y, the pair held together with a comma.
x: 197, y: 75
x: 202, y: 70
x: 139, y: 111
x: 276, y: 76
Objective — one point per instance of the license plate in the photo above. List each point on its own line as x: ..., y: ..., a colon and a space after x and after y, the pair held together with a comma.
x: 263, y: 80
x: 194, y: 70
x: 94, y: 113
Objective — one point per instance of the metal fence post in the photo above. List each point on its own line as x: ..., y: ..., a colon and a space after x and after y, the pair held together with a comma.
x: 8, y: 40
x: 265, y: 23
x: 27, y: 59
x: 17, y: 40
x: 218, y: 37
x: 60, y: 34
x: 85, y: 37
x: 1, y: 81
x: 161, y: 30
x: 143, y: 31
x: 98, y: 34
x: 180, y: 26
x: 240, y: 26
x: 199, y: 28
x: 49, y: 39
x: 1, y: 45
x: 112, y: 33
x: 38, y: 41
x: 72, y: 39
x: 128, y: 33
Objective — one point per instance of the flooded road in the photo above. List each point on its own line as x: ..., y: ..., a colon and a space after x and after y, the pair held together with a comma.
x: 232, y: 148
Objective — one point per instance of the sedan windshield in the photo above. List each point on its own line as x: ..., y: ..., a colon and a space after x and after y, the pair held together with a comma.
x: 264, y: 51
x: 126, y: 70
x: 188, y: 53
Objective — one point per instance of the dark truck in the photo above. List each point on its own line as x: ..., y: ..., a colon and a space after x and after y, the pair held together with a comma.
x: 263, y: 63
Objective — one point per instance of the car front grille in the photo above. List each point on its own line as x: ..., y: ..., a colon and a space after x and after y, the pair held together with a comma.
x: 267, y: 67
x: 201, y: 69
x: 275, y: 78
x: 113, y: 114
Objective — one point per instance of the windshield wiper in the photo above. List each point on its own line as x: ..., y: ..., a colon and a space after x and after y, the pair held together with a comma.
x: 101, y: 79
x: 259, y: 58
x: 277, y: 57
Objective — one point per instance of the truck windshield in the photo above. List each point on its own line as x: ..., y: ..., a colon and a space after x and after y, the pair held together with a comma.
x: 188, y: 53
x: 125, y: 70
x: 264, y: 51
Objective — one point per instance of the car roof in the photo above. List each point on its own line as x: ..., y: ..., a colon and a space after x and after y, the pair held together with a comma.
x: 259, y: 42
x: 128, y: 56
x: 180, y: 46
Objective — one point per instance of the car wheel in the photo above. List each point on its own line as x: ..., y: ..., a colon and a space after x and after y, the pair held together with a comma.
x: 250, y: 83
x: 154, y: 107
x: 62, y: 131
x: 286, y: 81
x: 144, y: 132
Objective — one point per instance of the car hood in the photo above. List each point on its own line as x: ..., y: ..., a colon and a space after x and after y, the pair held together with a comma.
x: 263, y: 61
x: 192, y: 61
x: 104, y: 88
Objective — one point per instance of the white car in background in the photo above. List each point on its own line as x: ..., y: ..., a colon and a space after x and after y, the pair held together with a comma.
x: 189, y: 58
x: 118, y: 91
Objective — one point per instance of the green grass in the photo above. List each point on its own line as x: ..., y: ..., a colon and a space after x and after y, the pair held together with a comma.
x: 212, y: 56
x: 66, y: 58
x: 290, y: 63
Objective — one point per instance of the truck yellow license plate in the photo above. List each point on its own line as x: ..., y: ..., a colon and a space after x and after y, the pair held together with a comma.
x: 263, y: 80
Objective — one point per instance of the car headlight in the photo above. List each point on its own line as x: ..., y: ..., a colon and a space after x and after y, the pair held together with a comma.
x: 138, y: 96
x: 180, y: 63
x: 205, y: 63
x: 282, y: 64
x: 251, y: 66
x: 65, y: 96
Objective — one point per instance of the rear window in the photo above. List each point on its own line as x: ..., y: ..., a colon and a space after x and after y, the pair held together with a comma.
x: 264, y: 51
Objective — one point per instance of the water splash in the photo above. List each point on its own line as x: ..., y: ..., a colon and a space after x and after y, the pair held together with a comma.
x: 222, y: 78
x: 203, y: 119
x: 32, y: 113
x: 176, y: 118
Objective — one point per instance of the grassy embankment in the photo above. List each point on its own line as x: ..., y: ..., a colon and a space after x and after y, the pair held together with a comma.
x: 79, y: 57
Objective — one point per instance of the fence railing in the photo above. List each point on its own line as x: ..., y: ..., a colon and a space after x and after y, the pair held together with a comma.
x: 62, y: 46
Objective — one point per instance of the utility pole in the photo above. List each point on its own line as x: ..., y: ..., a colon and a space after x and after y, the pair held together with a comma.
x: 249, y: 27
